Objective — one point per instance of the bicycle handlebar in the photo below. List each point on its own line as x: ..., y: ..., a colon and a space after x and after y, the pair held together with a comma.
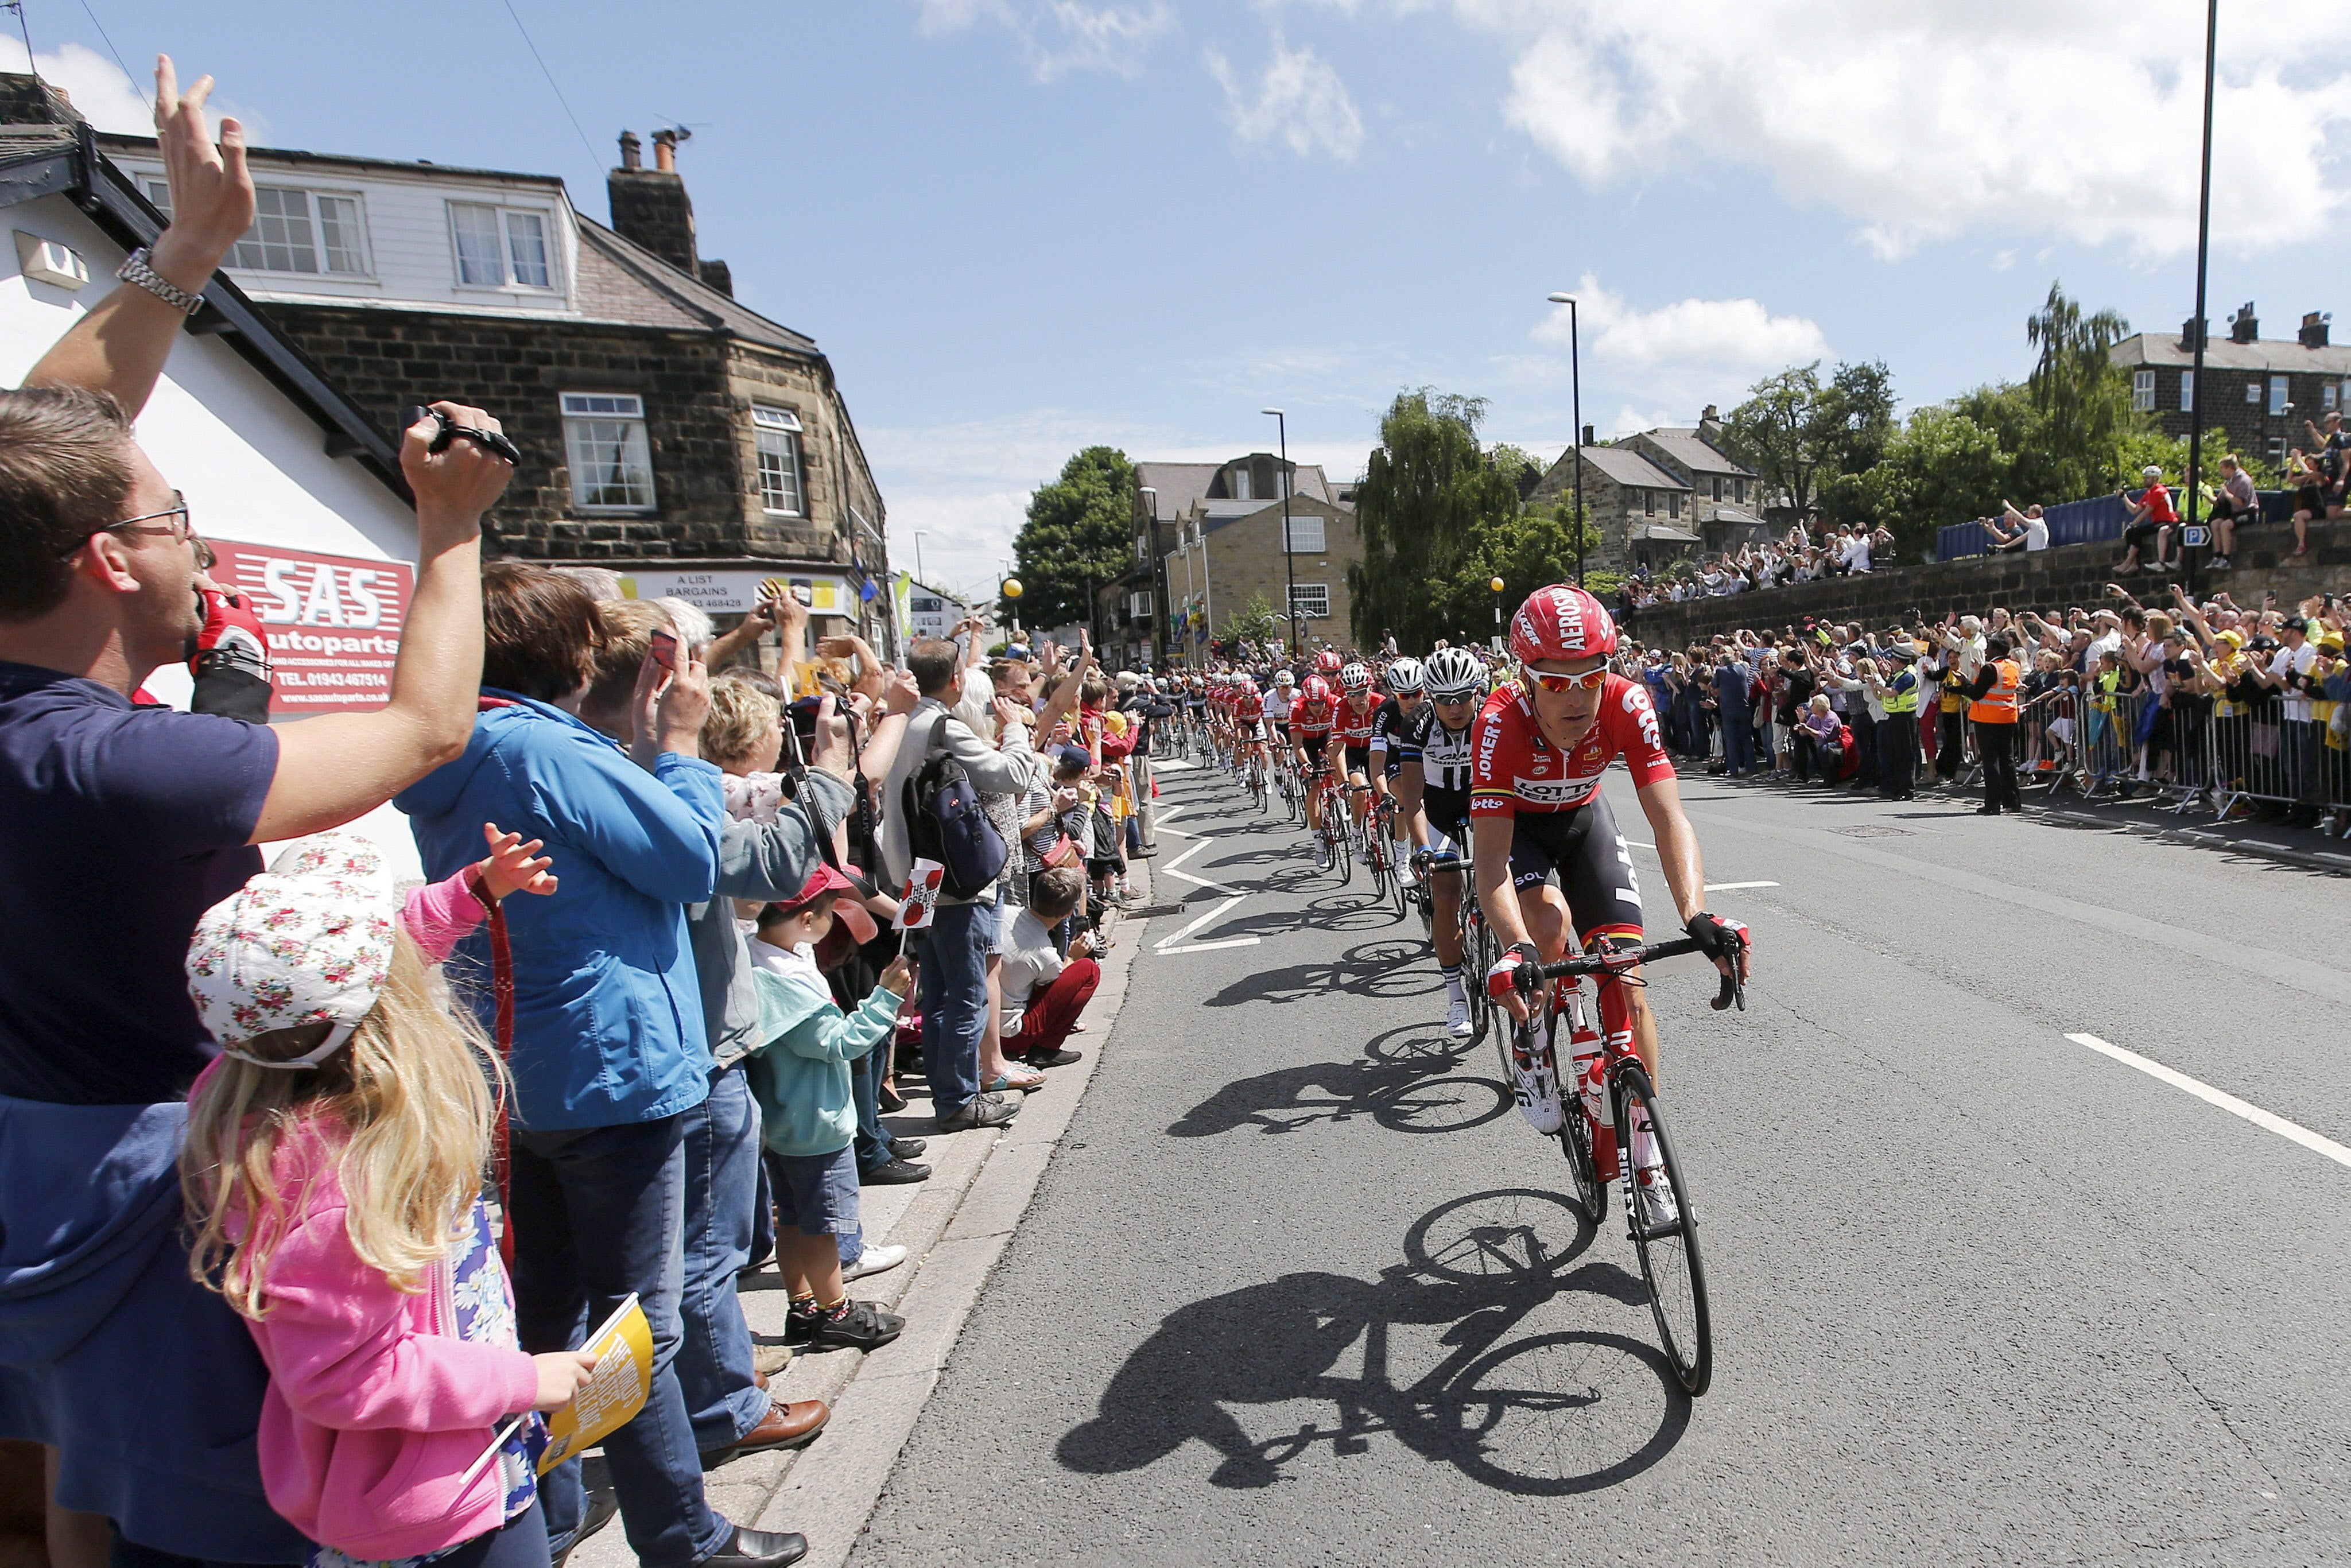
x: 1616, y: 963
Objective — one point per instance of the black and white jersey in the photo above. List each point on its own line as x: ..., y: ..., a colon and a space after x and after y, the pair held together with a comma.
x: 1445, y: 758
x: 1395, y: 732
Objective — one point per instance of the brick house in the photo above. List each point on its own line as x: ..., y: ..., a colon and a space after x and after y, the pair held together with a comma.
x: 2259, y: 390
x: 668, y: 431
x: 1208, y: 537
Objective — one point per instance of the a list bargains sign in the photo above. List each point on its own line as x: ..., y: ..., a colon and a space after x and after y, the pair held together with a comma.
x: 333, y: 622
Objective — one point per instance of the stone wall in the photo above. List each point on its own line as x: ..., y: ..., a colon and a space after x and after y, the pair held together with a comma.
x: 2047, y: 582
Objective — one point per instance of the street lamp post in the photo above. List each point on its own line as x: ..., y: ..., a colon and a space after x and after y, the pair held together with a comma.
x: 2203, y: 253
x: 1496, y: 586
x: 1576, y: 395
x: 1288, y: 561
x: 920, y: 574
x: 1153, y: 566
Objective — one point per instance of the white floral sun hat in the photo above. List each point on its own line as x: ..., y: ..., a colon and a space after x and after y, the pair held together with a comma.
x: 307, y: 941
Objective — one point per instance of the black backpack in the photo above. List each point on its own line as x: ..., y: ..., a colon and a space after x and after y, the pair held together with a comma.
x: 944, y: 823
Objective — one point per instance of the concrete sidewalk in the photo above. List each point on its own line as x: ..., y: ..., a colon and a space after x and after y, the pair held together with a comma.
x: 953, y: 1227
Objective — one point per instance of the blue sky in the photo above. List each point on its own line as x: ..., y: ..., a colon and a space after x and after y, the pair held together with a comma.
x: 1019, y: 226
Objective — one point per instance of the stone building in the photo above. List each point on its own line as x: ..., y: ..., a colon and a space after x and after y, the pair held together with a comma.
x: 1658, y: 494
x: 2259, y: 390
x: 668, y: 431
x: 1208, y: 537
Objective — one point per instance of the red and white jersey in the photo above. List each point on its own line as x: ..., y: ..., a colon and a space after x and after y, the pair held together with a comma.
x: 1517, y: 769
x: 1312, y: 720
x: 1355, y: 728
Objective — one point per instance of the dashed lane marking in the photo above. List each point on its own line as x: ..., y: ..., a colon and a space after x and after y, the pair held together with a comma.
x: 2293, y: 1132
x: 1735, y: 886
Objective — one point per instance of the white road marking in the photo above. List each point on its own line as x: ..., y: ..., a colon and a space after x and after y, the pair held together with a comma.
x: 1212, y: 947
x: 1175, y: 765
x: 2268, y: 1120
x: 1168, y: 869
x: 1735, y: 886
x: 1168, y: 944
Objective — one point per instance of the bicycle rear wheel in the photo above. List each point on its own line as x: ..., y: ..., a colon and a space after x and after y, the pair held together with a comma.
x: 1476, y: 957
x: 1343, y: 842
x: 1669, y: 1253
x: 1398, y: 885
x: 1376, y: 862
x: 1590, y: 1199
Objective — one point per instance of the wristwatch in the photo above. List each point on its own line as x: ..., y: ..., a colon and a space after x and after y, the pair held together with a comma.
x: 135, y: 271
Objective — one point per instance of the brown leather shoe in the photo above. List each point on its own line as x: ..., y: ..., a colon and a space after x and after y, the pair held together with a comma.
x: 786, y: 1425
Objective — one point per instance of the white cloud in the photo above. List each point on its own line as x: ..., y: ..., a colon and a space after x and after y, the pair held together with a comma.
x: 2076, y: 120
x: 96, y: 84
x: 1726, y: 333
x: 1059, y: 36
x: 1297, y: 100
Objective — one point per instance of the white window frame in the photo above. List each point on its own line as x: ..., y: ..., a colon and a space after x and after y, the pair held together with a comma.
x: 1307, y: 534
x: 159, y: 192
x: 1311, y: 600
x: 507, y: 283
x: 781, y: 424
x: 2142, y: 391
x: 1674, y: 505
x: 2329, y: 398
x: 2254, y: 392
x: 627, y: 409
x: 1138, y: 606
x: 2281, y: 393
x: 2188, y: 391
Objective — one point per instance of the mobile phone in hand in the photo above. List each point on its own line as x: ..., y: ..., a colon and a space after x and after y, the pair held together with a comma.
x: 664, y: 649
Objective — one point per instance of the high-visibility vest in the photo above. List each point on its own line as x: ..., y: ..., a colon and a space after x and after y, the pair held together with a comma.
x: 1901, y: 701
x: 1997, y: 706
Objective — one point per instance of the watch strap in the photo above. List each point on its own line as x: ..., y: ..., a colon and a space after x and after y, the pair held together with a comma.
x: 136, y: 272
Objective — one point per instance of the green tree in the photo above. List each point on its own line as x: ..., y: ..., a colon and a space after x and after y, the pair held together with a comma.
x: 1427, y: 490
x: 1080, y: 534
x: 1254, y: 620
x: 2083, y: 399
x: 1800, y: 434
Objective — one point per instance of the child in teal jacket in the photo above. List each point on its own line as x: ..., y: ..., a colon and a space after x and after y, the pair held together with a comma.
x: 799, y: 1075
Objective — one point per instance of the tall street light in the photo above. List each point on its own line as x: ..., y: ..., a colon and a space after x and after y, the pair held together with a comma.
x: 1288, y: 561
x: 919, y: 573
x: 1575, y: 392
x: 2203, y: 253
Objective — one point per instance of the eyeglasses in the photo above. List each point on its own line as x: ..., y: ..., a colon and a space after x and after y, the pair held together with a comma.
x: 1551, y: 683
x: 181, y: 529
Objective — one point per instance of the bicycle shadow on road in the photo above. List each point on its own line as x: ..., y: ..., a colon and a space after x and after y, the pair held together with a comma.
x: 1545, y: 1415
x: 1384, y: 969
x: 1397, y: 1085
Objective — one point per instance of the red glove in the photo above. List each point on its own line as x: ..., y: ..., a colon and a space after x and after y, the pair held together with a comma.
x: 229, y: 658
x: 1503, y: 978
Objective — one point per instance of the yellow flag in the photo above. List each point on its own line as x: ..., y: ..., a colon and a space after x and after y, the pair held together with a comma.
x: 615, y: 1392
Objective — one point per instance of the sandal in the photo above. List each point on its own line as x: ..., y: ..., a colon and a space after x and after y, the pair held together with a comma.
x: 1027, y: 1081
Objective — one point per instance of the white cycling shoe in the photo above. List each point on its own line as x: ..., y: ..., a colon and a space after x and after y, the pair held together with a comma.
x: 1658, y: 1208
x: 1537, y: 1096
x: 1457, y: 1018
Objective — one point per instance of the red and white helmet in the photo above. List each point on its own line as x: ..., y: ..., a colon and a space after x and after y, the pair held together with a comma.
x: 1327, y: 662
x: 1316, y: 689
x: 1561, y: 622
x: 1355, y: 678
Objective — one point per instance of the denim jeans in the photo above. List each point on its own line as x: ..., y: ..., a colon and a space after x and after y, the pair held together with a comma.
x: 722, y: 1184
x: 953, y: 952
x: 597, y: 1214
x: 1738, y: 744
x: 865, y: 1086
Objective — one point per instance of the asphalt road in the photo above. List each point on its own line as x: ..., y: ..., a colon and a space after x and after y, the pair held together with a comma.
x: 1296, y: 1287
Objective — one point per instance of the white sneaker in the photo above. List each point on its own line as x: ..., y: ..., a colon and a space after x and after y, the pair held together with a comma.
x: 1537, y: 1096
x: 1322, y: 856
x: 873, y: 1261
x: 1457, y: 1018
x: 1658, y: 1208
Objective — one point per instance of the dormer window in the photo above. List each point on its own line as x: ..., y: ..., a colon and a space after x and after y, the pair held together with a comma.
x: 294, y: 230
x: 500, y: 247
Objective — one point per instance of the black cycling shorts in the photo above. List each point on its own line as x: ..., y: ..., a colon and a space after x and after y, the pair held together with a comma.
x: 1594, y: 863
x: 1359, y: 760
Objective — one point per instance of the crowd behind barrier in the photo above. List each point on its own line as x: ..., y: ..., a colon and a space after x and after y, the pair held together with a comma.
x: 697, y: 919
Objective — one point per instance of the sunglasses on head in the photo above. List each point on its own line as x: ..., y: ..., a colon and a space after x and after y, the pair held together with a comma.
x: 1551, y: 683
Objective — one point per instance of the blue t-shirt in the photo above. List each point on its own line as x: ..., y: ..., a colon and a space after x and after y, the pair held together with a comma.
x: 120, y: 826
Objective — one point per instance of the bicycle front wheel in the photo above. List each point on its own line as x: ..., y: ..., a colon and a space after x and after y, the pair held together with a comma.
x: 1575, y: 1141
x: 1476, y: 957
x: 1669, y: 1254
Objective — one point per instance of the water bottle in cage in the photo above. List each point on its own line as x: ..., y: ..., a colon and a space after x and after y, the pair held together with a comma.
x: 1591, y: 1080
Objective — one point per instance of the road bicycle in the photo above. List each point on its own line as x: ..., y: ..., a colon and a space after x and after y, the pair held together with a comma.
x: 1285, y: 778
x: 1334, y: 832
x: 1480, y: 952
x: 1380, y: 852
x: 1253, y: 779
x: 1614, y: 1097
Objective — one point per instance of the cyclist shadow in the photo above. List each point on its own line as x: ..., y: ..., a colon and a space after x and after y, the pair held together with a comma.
x: 1404, y: 1083
x: 1541, y: 1415
x: 1387, y: 970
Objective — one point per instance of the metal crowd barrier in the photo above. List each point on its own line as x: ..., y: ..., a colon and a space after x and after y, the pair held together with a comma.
x: 2257, y: 753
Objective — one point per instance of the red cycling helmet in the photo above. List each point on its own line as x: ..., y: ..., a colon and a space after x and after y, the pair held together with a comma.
x: 1561, y: 622
x: 1316, y: 689
x: 1327, y: 662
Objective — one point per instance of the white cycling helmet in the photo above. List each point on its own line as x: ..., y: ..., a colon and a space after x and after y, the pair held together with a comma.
x: 1452, y: 672
x: 1355, y: 678
x: 1404, y: 675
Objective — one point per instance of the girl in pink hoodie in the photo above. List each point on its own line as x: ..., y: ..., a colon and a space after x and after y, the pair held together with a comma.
x: 333, y: 1172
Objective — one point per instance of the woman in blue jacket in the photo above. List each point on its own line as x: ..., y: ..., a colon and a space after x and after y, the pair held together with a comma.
x: 609, y: 1044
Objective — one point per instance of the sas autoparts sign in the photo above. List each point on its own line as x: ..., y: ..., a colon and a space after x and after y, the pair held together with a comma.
x: 333, y: 622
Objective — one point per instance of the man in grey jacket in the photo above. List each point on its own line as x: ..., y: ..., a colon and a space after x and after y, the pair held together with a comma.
x: 953, y: 949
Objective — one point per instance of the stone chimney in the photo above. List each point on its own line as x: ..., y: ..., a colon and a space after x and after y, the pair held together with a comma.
x: 2314, y: 330
x: 1587, y: 437
x: 650, y: 208
x: 1709, y: 426
x: 2190, y: 330
x: 28, y: 100
x: 2244, y: 327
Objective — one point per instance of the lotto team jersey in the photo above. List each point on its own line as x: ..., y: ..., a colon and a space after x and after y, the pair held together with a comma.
x: 1311, y: 720
x: 1355, y: 728
x: 1516, y: 769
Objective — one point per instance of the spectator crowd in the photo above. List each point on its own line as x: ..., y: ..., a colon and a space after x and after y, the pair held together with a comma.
x: 315, y: 1183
